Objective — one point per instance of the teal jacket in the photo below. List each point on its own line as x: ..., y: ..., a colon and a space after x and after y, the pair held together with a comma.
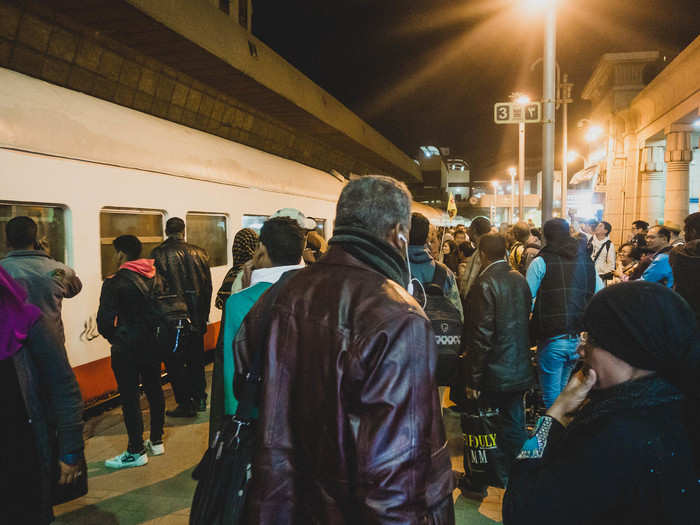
x: 237, y: 307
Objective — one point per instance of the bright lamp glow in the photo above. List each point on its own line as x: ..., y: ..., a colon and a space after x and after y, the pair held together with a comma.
x: 512, y: 172
x: 538, y: 5
x: 696, y: 124
x: 522, y: 100
x: 572, y: 155
x: 494, y: 183
x: 593, y: 133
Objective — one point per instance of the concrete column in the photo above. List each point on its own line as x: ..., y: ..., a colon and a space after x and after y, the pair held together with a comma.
x: 678, y: 156
x: 653, y: 182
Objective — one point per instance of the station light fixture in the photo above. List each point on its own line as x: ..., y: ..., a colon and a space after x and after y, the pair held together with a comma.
x: 522, y: 100
x: 512, y: 171
x: 696, y: 124
x: 593, y: 133
x: 572, y: 155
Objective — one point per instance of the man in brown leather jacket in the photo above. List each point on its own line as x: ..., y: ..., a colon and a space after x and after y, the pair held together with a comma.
x: 349, y: 421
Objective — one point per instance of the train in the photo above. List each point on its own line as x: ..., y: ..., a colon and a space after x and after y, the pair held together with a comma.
x: 88, y: 170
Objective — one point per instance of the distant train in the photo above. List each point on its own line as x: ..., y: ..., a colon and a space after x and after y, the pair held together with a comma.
x: 88, y: 171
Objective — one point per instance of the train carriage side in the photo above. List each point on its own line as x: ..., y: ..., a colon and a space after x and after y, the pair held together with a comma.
x: 89, y: 170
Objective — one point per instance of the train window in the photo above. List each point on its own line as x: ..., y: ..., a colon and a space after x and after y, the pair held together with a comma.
x: 209, y: 232
x: 320, y: 226
x: 146, y: 225
x: 51, y: 226
x: 253, y: 222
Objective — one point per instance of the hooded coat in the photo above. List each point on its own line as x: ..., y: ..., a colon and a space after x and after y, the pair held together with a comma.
x: 685, y: 263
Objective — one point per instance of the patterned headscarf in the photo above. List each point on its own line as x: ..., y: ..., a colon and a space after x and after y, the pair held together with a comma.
x: 244, y: 245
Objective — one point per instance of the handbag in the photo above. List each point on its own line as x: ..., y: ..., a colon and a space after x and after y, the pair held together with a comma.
x: 224, y: 473
x: 484, y: 462
x: 76, y: 489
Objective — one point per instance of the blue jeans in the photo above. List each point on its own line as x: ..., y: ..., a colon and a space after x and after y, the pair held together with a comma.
x: 556, y: 358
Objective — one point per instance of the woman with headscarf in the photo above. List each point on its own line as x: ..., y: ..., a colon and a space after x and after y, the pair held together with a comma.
x: 619, y: 445
x: 245, y: 243
x: 41, y: 439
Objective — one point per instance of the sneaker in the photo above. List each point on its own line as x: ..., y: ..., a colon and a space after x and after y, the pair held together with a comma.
x: 154, y: 449
x: 126, y: 460
x: 181, y: 411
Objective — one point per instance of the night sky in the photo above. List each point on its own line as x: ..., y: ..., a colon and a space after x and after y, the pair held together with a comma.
x: 429, y: 71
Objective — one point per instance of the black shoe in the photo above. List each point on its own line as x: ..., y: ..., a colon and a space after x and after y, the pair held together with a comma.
x: 201, y: 405
x: 181, y: 411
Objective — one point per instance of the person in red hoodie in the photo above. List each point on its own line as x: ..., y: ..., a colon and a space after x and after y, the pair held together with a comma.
x: 123, y: 320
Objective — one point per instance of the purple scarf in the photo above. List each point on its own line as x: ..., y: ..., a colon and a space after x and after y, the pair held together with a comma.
x: 16, y: 316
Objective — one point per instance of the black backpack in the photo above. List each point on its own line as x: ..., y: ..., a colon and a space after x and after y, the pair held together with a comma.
x: 168, y: 317
x: 447, y: 325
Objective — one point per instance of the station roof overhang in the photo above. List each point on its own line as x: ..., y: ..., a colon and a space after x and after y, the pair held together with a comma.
x: 195, y: 38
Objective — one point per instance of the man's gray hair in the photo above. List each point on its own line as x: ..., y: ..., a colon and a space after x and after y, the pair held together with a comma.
x: 374, y: 203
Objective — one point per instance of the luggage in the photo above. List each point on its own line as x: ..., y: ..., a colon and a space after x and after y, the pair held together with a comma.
x: 447, y: 325
x: 484, y: 462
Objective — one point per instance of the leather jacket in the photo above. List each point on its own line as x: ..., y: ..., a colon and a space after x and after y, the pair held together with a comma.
x: 350, y: 428
x: 496, y: 336
x: 185, y: 269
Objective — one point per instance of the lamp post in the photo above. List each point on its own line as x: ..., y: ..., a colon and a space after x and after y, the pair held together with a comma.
x: 493, y: 214
x: 566, y: 99
x: 521, y: 100
x: 548, y: 91
x: 512, y: 172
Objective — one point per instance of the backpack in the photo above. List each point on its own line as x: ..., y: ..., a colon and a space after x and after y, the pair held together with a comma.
x: 168, y: 317
x: 447, y: 326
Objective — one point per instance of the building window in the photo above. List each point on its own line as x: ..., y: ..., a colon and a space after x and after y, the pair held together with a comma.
x: 254, y: 222
x: 225, y: 6
x: 208, y: 231
x: 243, y: 13
x: 146, y: 225
x: 320, y: 227
x: 51, y: 226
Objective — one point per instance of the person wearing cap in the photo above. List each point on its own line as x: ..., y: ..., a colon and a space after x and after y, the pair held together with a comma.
x: 619, y: 445
x: 675, y: 230
x: 185, y: 269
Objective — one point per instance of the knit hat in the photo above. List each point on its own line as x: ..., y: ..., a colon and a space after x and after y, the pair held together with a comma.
x: 650, y: 327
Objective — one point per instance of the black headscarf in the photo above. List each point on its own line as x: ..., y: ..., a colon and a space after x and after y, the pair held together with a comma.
x: 650, y: 327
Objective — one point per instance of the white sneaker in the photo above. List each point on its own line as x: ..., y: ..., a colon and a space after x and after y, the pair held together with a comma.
x: 154, y: 449
x: 127, y: 460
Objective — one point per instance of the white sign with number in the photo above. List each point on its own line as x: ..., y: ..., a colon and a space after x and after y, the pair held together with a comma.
x: 514, y: 113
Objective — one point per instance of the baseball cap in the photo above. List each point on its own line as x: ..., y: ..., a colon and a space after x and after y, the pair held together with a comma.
x: 303, y: 222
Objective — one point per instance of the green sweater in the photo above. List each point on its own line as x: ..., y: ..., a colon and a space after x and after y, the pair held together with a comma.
x: 237, y: 307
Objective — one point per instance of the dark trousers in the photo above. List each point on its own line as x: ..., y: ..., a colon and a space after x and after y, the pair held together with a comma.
x: 186, y: 370
x: 128, y: 373
x: 511, y: 434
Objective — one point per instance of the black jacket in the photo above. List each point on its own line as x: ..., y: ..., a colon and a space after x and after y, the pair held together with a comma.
x: 567, y: 286
x: 123, y: 316
x: 53, y: 404
x: 685, y: 263
x: 496, y: 337
x: 185, y: 270
x: 631, y: 466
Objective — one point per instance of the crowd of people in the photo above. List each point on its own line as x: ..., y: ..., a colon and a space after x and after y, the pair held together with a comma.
x: 341, y: 347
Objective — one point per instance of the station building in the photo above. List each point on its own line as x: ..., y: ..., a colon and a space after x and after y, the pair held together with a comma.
x: 646, y: 163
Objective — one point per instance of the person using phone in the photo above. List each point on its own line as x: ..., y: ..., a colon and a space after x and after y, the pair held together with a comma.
x: 623, y: 434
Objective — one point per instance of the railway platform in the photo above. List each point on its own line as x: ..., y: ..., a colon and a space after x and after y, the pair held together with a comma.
x: 161, y: 492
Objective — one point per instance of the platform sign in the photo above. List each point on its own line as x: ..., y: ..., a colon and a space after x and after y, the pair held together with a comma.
x: 514, y: 113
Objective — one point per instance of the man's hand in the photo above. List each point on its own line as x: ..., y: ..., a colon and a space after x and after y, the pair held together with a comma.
x: 472, y: 394
x: 572, y: 397
x: 69, y: 473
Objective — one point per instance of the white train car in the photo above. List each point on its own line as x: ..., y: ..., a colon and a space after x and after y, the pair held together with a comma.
x: 88, y: 170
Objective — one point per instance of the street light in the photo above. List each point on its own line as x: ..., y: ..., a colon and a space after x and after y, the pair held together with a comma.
x: 593, y: 133
x: 521, y: 99
x: 572, y: 155
x: 495, y: 188
x: 512, y: 171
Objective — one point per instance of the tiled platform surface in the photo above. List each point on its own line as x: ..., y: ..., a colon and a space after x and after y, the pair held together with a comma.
x: 161, y: 492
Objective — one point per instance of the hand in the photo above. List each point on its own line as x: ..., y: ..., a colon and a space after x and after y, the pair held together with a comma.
x: 572, y: 397
x: 472, y: 394
x: 69, y: 473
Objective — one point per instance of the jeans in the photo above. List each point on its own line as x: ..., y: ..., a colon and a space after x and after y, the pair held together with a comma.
x: 556, y: 358
x: 186, y: 370
x: 127, y: 372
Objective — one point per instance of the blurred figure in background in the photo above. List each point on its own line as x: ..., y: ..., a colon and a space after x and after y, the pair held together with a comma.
x: 685, y: 263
